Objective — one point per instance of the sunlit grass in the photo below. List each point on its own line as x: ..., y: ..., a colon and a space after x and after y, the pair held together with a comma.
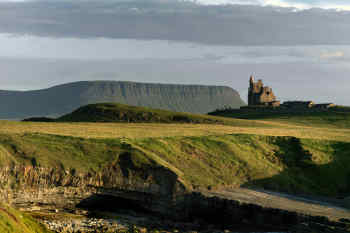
x: 154, y: 130
x: 13, y: 221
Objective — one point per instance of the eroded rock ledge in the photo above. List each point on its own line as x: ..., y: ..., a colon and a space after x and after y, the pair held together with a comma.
x: 158, y: 191
x: 29, y: 187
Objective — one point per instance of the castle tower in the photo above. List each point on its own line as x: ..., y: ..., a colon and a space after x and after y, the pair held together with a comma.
x: 251, y: 91
x: 260, y: 95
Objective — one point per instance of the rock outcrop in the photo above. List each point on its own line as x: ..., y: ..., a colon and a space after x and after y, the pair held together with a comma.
x: 159, y: 192
x: 37, y: 188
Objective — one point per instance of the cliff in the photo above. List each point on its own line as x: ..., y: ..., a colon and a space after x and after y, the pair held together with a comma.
x: 167, y: 167
x: 59, y: 100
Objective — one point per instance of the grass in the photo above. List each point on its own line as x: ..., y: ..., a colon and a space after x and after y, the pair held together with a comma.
x: 13, y: 221
x: 287, y: 164
x: 58, y: 152
x: 151, y: 123
x: 154, y: 130
x: 120, y: 130
x: 338, y: 117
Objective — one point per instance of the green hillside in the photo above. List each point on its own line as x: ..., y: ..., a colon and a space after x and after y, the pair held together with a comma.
x: 62, y: 99
x: 13, y: 221
x: 337, y: 117
x: 209, y: 162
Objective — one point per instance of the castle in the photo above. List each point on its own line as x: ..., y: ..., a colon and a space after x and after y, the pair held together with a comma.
x: 263, y: 96
x: 258, y: 94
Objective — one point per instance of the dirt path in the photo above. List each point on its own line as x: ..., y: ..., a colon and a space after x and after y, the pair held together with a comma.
x: 299, y: 204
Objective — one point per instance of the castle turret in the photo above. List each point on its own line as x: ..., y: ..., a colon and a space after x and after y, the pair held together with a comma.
x: 251, y: 90
x: 251, y: 80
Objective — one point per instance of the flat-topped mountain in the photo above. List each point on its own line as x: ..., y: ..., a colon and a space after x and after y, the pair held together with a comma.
x: 62, y: 99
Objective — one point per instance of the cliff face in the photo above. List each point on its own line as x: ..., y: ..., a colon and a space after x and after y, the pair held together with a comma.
x: 43, y: 189
x: 49, y: 189
x: 65, y: 98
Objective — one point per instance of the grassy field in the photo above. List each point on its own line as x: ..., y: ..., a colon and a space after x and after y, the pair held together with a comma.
x: 110, y: 120
x: 339, y: 117
x: 13, y: 221
x: 153, y: 130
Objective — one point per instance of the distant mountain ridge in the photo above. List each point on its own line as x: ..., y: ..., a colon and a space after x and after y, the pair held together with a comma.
x: 65, y: 98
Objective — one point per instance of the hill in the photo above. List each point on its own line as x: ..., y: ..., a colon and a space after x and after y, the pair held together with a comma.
x: 114, y: 112
x: 62, y: 99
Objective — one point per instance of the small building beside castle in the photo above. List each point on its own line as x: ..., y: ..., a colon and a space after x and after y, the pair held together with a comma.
x: 260, y: 95
x: 299, y: 104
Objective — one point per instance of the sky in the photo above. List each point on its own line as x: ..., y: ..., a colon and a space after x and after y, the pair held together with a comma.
x: 300, y: 4
x: 299, y: 48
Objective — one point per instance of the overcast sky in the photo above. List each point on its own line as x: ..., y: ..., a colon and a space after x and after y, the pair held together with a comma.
x: 299, y: 47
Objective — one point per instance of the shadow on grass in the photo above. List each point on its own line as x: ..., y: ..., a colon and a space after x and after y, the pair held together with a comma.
x: 302, y: 175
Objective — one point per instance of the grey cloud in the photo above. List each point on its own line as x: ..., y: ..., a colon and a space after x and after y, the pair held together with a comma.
x: 107, y: 49
x: 289, y: 54
x: 172, y: 20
